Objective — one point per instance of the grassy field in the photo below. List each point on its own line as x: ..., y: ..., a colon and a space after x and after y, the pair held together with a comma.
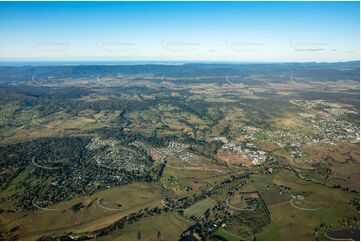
x: 62, y: 218
x: 270, y: 232
x: 198, y: 209
x: 160, y: 227
x: 177, y: 177
x: 292, y: 222
x: 222, y: 234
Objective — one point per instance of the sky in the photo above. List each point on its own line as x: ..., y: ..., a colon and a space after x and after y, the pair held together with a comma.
x: 180, y: 31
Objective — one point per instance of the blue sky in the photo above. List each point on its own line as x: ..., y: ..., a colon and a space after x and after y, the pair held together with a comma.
x: 209, y: 31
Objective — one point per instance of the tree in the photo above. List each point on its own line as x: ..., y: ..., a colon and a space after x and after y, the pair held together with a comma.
x: 139, y: 236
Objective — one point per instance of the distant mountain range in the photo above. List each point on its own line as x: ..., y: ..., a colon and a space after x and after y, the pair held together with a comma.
x: 322, y: 71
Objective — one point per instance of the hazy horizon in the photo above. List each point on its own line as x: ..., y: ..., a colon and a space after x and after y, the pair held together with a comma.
x: 151, y: 62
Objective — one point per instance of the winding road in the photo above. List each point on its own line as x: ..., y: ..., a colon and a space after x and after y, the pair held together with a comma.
x: 106, y: 208
x: 41, y: 166
x: 300, y: 208
x: 239, y: 209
